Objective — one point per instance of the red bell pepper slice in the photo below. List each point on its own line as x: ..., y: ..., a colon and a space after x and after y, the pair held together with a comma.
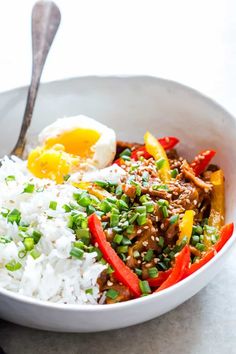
x: 167, y: 142
x: 201, y: 161
x: 122, y: 273
x: 204, y: 260
x: 162, y: 276
x: 225, y: 234
x: 179, y: 270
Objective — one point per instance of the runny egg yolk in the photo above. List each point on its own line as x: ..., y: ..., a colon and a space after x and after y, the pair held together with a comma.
x: 53, y: 163
x: 77, y: 141
x: 61, y: 154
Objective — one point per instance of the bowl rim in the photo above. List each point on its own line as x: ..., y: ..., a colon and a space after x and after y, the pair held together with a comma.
x: 163, y: 81
x: 142, y: 300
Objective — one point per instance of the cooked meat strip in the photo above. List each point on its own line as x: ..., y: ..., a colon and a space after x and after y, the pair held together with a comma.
x: 189, y: 174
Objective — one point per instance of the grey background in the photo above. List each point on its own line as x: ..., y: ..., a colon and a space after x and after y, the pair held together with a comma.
x: 204, y: 324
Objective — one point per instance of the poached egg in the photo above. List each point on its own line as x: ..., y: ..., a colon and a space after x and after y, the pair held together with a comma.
x: 73, y: 144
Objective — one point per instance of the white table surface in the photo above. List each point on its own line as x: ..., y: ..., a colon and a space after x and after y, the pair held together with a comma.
x: 193, y: 42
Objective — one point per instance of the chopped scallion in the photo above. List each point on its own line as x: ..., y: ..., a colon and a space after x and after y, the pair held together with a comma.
x: 165, y: 211
x: 122, y: 205
x: 153, y: 272
x: 66, y: 177
x: 29, y: 188
x: 141, y: 209
x: 119, y: 191
x: 28, y: 243
x: 105, y: 206
x: 118, y: 238
x: 112, y: 294
x: 161, y: 241
x: 22, y: 253
x: 145, y: 176
x: 114, y: 219
x: 122, y: 249
x: 102, y: 184
x: 126, y: 241
x: 126, y: 152
x: 174, y: 173
x: 12, y: 266
x: 138, y: 271
x: 149, y: 255
x: 133, y: 218
x: 160, y: 163
x: 10, y: 178
x: 149, y: 207
x: 126, y: 158
x: 35, y: 254
x: 76, y: 252
x: 200, y: 247
x: 141, y: 219
x: 194, y: 240
x: 144, y: 287
x: 110, y: 270
x: 174, y: 219
x: 14, y: 216
x: 163, y: 202
x: 53, y: 205
x: 82, y: 233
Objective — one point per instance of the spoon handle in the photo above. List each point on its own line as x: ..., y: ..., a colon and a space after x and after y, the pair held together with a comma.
x: 46, y: 19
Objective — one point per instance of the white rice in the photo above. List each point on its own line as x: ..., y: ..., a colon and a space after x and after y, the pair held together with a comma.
x: 55, y: 276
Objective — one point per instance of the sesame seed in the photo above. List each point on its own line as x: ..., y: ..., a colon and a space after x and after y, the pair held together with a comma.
x: 148, y: 265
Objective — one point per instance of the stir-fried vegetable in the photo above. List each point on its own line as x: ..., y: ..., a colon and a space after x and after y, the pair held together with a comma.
x: 216, y: 218
x: 179, y: 269
x: 186, y: 227
x: 225, y: 234
x: 155, y: 149
x: 201, y: 161
x: 155, y: 226
x: 167, y: 143
x: 122, y: 272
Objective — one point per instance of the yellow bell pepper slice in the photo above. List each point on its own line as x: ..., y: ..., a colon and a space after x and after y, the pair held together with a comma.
x: 217, y: 213
x: 186, y: 227
x: 155, y: 149
x: 91, y: 188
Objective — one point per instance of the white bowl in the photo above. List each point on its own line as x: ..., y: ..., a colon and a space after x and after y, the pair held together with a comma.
x: 130, y: 106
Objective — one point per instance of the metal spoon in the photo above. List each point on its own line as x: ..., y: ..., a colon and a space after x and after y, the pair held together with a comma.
x: 46, y: 19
